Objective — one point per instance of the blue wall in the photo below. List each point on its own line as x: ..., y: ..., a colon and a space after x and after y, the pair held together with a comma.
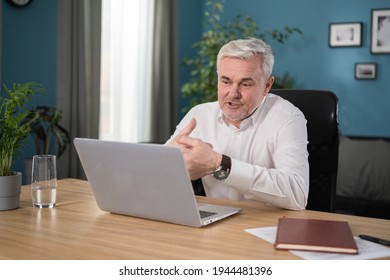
x: 364, y: 105
x: 190, y: 30
x: 29, y: 46
x: 29, y: 53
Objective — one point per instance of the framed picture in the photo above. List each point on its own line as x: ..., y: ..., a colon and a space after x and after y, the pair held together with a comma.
x: 380, y: 31
x: 348, y: 34
x: 365, y: 71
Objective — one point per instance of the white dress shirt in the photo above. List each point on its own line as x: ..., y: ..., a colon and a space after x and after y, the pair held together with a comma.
x: 269, y: 152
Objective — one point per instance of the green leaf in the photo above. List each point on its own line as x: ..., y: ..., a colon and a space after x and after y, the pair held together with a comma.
x: 13, y: 129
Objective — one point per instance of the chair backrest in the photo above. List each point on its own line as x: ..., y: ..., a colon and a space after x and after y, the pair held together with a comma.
x: 320, y: 110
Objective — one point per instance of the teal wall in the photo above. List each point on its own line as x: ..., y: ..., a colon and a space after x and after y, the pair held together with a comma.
x: 29, y: 53
x: 364, y: 105
x: 190, y: 30
x: 29, y: 46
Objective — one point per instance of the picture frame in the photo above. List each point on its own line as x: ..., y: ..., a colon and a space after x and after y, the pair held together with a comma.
x: 380, y: 31
x: 365, y: 71
x: 345, y: 34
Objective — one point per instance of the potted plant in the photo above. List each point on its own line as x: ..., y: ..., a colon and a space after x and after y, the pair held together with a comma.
x: 49, y: 136
x: 202, y: 86
x: 45, y: 127
x: 13, y: 131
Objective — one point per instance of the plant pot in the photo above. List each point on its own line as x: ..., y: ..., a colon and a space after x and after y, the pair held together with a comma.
x: 10, y: 188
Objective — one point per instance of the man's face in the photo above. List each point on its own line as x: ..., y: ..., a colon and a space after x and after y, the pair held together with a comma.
x: 241, y: 87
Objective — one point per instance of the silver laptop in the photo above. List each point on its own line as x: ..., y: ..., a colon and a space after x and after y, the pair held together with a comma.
x: 144, y: 180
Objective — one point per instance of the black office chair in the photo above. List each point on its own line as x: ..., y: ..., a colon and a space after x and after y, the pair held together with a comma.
x: 320, y: 110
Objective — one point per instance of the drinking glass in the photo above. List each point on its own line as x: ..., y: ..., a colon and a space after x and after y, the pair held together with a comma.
x: 44, y: 181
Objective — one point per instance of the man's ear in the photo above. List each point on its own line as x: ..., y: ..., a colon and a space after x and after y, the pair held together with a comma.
x: 270, y: 82
x: 268, y: 85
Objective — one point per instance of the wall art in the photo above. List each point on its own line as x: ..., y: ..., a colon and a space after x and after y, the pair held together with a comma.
x: 348, y: 34
x: 365, y: 71
x: 380, y: 31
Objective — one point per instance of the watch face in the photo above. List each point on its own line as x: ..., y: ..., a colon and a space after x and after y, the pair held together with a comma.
x: 220, y: 174
x: 19, y: 3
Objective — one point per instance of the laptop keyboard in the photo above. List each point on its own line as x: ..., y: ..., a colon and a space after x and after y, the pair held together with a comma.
x: 204, y: 214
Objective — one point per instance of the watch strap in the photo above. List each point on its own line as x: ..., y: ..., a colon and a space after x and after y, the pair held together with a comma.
x: 226, y: 163
x: 223, y: 170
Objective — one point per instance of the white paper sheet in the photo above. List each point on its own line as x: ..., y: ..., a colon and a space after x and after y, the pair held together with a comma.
x: 367, y: 249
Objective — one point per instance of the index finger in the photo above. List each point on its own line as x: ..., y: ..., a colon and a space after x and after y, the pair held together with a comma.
x: 189, y: 128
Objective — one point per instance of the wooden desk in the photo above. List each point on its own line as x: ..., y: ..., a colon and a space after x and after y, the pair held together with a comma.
x: 77, y: 229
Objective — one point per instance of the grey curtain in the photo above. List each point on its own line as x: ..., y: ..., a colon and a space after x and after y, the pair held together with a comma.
x: 78, y: 75
x: 165, y: 71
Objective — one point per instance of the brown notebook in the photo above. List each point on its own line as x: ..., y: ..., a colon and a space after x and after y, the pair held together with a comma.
x: 315, y: 235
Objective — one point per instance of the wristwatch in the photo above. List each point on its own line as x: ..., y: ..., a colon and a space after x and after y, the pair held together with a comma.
x: 222, y: 172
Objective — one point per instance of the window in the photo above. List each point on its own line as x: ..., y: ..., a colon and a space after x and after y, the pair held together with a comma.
x: 126, y: 70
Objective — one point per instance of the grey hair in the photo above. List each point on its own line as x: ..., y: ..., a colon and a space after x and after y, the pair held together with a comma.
x: 246, y: 49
